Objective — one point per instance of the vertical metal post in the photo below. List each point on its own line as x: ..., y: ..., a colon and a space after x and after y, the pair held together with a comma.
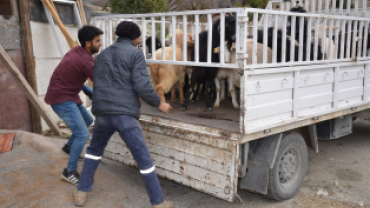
x: 163, y: 34
x: 360, y: 40
x: 52, y: 26
x: 366, y: 39
x: 174, y: 35
x: 185, y: 43
x: 222, y: 38
x: 323, y: 38
x: 274, y: 46
x: 103, y: 36
x: 209, y: 39
x: 316, y: 40
x: 143, y: 28
x: 292, y: 44
x: 110, y: 33
x: 196, y: 54
x: 153, y: 38
x: 308, y: 41
x: 354, y: 40
x: 255, y: 27
x: 265, y: 33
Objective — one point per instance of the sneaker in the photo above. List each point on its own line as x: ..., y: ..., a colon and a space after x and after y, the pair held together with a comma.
x: 79, y: 198
x: 67, y: 149
x: 164, y: 204
x: 70, y: 176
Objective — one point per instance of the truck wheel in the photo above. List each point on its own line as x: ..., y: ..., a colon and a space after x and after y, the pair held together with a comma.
x: 286, y: 177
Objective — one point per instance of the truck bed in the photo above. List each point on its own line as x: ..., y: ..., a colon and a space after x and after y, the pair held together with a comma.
x: 225, y: 117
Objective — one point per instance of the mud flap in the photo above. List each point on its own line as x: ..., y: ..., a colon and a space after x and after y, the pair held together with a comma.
x: 261, y: 158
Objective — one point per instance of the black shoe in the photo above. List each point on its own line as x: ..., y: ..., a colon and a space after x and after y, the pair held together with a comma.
x: 67, y: 149
x: 71, y: 176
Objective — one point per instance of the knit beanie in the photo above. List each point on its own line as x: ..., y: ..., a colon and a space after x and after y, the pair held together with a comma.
x: 128, y: 29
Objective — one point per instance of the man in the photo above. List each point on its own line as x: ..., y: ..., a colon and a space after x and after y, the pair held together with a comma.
x: 120, y: 79
x: 66, y: 82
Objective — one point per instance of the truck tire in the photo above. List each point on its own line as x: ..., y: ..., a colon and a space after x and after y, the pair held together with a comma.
x: 286, y: 177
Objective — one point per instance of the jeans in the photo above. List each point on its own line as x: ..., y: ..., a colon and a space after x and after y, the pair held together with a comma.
x: 130, y: 132
x: 77, y: 119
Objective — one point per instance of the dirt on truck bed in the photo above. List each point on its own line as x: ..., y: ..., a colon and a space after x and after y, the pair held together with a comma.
x: 338, y: 177
x: 225, y: 117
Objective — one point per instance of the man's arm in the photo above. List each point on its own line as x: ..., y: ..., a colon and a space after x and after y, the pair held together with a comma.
x: 141, y: 83
x: 89, y: 65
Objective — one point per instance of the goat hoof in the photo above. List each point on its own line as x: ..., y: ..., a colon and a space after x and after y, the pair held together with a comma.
x: 192, y: 101
x: 183, y: 108
x: 210, y: 109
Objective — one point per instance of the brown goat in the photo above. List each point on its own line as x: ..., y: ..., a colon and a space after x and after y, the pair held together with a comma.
x: 166, y: 76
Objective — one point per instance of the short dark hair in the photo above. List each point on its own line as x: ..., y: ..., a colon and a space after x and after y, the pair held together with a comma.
x: 88, y: 33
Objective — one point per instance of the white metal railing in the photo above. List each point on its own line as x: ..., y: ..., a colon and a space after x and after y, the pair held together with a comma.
x: 356, y: 28
x: 351, y: 7
x: 171, y: 22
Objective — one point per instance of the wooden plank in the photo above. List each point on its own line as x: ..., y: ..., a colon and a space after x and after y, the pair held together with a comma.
x: 82, y: 11
x: 29, y: 61
x: 18, y: 77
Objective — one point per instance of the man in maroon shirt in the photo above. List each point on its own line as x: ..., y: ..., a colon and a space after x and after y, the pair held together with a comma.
x: 66, y: 82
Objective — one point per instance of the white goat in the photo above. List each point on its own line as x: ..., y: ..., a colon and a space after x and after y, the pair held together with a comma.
x: 328, y: 41
x: 232, y: 75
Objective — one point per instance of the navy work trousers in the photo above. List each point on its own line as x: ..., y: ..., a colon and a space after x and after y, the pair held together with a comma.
x: 130, y: 131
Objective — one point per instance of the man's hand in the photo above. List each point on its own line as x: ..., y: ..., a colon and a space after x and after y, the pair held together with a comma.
x: 165, y: 107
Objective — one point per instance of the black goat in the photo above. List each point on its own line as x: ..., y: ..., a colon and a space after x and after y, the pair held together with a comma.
x: 289, y: 42
x: 351, y: 33
x: 306, y: 30
x: 208, y: 74
x: 148, y: 43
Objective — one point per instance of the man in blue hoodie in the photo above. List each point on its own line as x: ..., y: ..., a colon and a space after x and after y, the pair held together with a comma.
x: 120, y: 79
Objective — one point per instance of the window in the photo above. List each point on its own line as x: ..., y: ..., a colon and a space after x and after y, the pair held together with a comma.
x: 6, y: 9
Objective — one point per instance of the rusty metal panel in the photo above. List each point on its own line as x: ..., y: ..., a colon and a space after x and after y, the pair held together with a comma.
x: 10, y: 37
x: 206, y: 162
x: 14, y: 106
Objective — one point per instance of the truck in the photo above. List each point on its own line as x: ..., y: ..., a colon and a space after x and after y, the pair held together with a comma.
x: 284, y: 106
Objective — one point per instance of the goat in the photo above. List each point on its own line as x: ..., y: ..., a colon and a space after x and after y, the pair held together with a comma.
x: 298, y: 9
x: 288, y: 41
x: 165, y: 76
x: 232, y: 75
x: 148, y: 43
x: 328, y: 41
x: 352, y: 35
x: 208, y: 74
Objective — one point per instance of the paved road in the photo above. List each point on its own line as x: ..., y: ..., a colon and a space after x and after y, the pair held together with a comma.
x: 29, y: 177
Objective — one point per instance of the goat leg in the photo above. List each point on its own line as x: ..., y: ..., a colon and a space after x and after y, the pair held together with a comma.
x: 173, y: 94
x: 196, y: 92
x: 187, y: 99
x: 181, y: 92
x: 217, y: 102
x: 222, y: 88
x: 232, y: 92
x: 208, y: 88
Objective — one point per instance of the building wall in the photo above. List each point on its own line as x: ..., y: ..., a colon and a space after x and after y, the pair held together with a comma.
x: 14, y: 105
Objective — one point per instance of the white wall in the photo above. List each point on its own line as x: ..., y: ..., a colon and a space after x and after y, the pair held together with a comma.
x: 47, y: 58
